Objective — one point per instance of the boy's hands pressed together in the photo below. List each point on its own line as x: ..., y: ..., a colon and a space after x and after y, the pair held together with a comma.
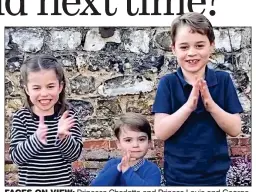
x: 193, y: 97
x: 206, y: 96
x: 41, y: 132
x: 64, y: 125
x: 200, y: 86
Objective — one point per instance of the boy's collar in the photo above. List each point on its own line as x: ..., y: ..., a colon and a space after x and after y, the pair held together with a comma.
x: 138, y: 164
x: 210, y: 77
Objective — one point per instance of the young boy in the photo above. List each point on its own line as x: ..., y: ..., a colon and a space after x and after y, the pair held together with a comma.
x: 195, y: 107
x: 133, y: 132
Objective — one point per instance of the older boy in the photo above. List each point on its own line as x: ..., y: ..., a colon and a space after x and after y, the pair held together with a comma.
x: 195, y: 108
x: 134, y: 139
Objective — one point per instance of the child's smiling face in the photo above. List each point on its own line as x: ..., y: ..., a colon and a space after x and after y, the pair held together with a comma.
x: 43, y: 88
x: 192, y: 50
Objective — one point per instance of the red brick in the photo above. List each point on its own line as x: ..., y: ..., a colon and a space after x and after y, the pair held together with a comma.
x: 249, y: 156
x: 7, y: 158
x: 89, y: 164
x: 77, y: 164
x: 151, y: 154
x: 112, y: 144
x: 233, y: 142
x: 94, y: 154
x: 114, y: 153
x: 155, y: 154
x: 244, y: 141
x: 240, y: 151
x: 96, y: 144
x: 6, y: 146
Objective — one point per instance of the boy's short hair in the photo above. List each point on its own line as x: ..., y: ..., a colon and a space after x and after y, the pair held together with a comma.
x: 196, y: 21
x: 134, y: 121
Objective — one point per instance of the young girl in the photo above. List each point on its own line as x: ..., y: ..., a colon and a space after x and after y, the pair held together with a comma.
x: 45, y: 134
